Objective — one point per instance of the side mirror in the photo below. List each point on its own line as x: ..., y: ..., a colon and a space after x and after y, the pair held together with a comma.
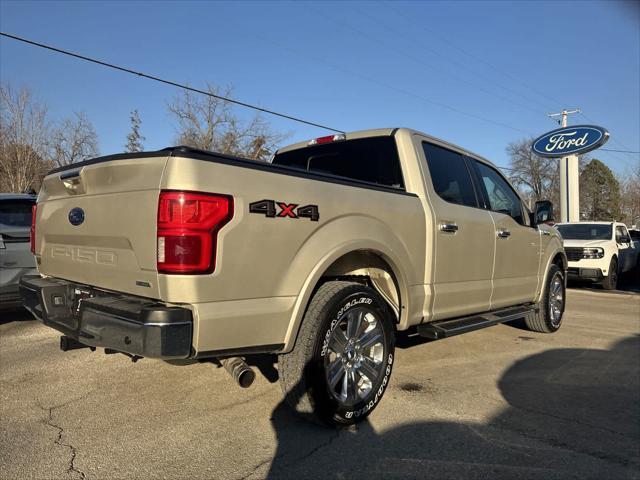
x: 543, y: 212
x: 624, y: 239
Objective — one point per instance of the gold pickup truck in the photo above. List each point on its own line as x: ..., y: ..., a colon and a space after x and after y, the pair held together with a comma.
x: 320, y: 256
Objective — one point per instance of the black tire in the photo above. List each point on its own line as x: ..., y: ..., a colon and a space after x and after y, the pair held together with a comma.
x: 542, y: 320
x: 611, y: 282
x: 303, y: 374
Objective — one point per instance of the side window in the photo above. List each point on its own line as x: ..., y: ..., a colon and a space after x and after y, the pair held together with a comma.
x: 500, y: 195
x: 620, y: 232
x: 450, y: 176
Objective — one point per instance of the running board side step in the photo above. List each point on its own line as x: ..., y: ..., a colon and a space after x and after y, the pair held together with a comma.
x: 451, y: 327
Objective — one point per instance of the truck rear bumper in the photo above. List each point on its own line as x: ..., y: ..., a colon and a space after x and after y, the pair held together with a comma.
x: 126, y: 323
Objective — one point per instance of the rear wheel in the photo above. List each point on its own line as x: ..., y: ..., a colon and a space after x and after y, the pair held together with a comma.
x: 342, y: 360
x: 548, y: 317
x: 611, y: 282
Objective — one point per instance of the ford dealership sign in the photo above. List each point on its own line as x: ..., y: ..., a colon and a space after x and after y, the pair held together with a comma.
x: 570, y: 141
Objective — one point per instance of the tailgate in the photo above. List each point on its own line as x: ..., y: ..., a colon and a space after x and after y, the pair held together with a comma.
x: 96, y: 224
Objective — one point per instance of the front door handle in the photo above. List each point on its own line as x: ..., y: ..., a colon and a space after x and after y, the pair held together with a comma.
x: 504, y: 233
x: 449, y: 227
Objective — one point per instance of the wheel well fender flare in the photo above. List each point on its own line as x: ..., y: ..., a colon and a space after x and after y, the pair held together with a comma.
x: 323, y: 271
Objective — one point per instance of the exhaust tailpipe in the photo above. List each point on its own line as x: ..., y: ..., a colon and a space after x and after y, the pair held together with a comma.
x: 242, y: 373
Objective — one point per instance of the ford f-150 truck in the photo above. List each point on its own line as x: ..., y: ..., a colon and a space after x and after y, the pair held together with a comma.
x: 320, y: 256
x: 599, y: 251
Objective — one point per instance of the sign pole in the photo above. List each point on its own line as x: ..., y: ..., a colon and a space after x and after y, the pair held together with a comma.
x: 569, y: 180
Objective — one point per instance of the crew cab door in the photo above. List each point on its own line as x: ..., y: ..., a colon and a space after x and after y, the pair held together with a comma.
x: 626, y: 254
x: 517, y: 257
x: 463, y: 236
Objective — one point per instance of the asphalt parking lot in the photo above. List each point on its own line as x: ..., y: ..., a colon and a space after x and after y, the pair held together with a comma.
x: 498, y: 403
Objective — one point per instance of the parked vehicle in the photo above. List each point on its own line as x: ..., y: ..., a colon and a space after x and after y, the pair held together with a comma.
x: 320, y: 256
x: 16, y: 258
x: 599, y: 251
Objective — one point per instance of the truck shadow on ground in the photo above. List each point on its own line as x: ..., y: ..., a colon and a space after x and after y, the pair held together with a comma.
x: 572, y: 413
x: 15, y: 315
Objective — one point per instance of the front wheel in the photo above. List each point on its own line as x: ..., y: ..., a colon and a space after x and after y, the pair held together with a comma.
x: 341, y: 363
x: 549, y: 312
x: 611, y: 282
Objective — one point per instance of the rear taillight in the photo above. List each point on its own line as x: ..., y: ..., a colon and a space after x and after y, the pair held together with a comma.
x: 188, y: 225
x: 32, y: 231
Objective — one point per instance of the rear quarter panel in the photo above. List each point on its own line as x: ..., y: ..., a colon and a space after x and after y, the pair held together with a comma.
x: 266, y: 268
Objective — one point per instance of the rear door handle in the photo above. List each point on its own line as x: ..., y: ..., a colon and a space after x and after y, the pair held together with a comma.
x: 449, y: 227
x: 504, y: 233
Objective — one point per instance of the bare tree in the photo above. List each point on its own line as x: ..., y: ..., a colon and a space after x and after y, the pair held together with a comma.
x: 630, y: 197
x: 24, y: 139
x: 135, y: 138
x: 74, y: 140
x: 537, y: 176
x: 208, y: 123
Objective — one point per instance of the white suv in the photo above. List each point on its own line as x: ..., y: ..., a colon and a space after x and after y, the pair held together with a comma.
x: 599, y: 251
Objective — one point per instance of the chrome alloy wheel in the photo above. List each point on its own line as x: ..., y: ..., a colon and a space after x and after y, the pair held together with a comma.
x: 354, y: 360
x: 556, y: 299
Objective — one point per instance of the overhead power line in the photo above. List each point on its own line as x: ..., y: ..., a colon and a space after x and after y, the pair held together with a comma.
x: 621, y: 151
x: 167, y: 82
x: 396, y: 51
x: 375, y: 81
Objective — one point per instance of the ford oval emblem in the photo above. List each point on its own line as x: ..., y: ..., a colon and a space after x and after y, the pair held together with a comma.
x: 570, y: 141
x: 76, y: 216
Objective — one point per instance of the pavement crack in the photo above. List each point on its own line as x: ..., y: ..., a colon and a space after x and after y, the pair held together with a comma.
x: 573, y: 420
x: 293, y: 461
x: 255, y: 469
x: 322, y: 445
x: 72, y: 470
x: 557, y: 443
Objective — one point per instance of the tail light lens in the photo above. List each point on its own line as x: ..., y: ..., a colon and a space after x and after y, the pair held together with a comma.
x: 32, y: 231
x: 327, y: 139
x: 188, y: 225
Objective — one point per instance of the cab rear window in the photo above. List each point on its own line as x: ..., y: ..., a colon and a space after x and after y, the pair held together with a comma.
x: 372, y: 160
x: 16, y: 213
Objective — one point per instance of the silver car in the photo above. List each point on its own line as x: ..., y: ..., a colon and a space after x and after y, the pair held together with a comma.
x: 16, y: 258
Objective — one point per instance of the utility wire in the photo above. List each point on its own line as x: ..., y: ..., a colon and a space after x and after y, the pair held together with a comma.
x: 621, y: 151
x: 465, y: 67
x: 354, y: 73
x: 614, y: 141
x: 345, y: 25
x: 167, y: 82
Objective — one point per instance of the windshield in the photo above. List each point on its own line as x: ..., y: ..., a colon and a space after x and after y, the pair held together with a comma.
x: 585, y: 231
x: 16, y: 213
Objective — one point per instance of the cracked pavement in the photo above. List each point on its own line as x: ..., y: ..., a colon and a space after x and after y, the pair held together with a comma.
x: 497, y: 403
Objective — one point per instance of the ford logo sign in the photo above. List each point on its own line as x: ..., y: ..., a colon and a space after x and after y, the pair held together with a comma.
x: 76, y: 216
x: 570, y: 141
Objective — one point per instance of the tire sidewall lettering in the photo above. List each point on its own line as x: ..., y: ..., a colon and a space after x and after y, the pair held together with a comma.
x: 349, y: 414
x: 336, y: 318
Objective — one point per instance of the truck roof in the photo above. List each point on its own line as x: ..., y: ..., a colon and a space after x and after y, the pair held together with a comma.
x: 383, y: 132
x: 17, y: 196
x: 612, y: 222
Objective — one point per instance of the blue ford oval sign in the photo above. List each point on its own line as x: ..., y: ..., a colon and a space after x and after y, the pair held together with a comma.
x: 76, y: 216
x: 570, y: 141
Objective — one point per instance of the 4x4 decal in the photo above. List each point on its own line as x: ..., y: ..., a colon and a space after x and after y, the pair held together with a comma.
x: 284, y: 210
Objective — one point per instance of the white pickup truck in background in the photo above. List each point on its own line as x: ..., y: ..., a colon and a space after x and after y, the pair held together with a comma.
x: 599, y: 251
